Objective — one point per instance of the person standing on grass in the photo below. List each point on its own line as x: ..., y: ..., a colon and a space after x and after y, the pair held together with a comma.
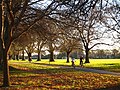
x: 73, y: 62
x: 81, y: 61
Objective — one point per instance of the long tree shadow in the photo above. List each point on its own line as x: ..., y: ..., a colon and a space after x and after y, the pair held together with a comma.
x: 20, y: 70
x: 52, y: 64
x: 44, y: 70
x: 11, y: 68
x: 113, y: 65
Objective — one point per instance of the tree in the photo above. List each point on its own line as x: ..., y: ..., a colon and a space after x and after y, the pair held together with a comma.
x: 52, y: 43
x: 30, y: 47
x: 40, y: 45
x: 100, y: 53
x: 40, y: 37
x: 20, y: 13
x: 85, y: 25
x: 110, y: 19
x: 20, y: 43
x: 9, y: 23
x: 115, y: 53
x: 15, y: 49
x: 0, y: 29
x: 69, y: 45
x: 13, y: 13
x: 90, y: 31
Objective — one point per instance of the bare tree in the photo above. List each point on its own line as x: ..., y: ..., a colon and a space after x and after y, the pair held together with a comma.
x: 115, y: 53
x: 111, y: 19
x: 68, y: 37
x: 52, y: 38
x: 25, y: 13
x: 15, y: 12
x: 15, y: 50
x: 40, y: 42
x: 89, y: 31
x: 0, y: 30
x: 69, y: 45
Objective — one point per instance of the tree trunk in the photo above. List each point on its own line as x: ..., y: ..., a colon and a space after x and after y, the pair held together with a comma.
x: 5, y: 42
x: 0, y: 30
x: 68, y: 53
x: 13, y: 57
x: 29, y: 57
x: 39, y: 56
x: 9, y: 56
x: 51, y: 56
x: 1, y: 57
x: 1, y: 53
x: 87, y: 56
x: 0, y: 61
x: 6, y: 78
x: 17, y: 57
x: 23, y: 57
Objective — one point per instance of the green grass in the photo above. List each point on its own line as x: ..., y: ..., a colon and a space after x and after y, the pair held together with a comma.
x: 105, y: 64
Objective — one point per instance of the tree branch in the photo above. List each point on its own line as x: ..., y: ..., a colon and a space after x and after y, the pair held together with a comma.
x: 99, y: 44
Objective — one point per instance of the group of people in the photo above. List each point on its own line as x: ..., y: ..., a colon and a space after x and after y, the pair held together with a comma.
x: 81, y: 61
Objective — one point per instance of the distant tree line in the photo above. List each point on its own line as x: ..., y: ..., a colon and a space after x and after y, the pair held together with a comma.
x: 105, y: 54
x: 94, y: 54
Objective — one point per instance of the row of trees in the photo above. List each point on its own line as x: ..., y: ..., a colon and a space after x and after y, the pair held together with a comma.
x: 104, y: 54
x: 64, y: 24
x: 52, y: 41
x: 93, y: 54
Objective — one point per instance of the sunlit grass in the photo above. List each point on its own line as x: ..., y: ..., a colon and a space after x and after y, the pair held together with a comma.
x: 105, y: 64
x: 44, y: 62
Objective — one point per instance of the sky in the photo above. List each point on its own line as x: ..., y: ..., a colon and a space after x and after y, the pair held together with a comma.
x: 108, y: 40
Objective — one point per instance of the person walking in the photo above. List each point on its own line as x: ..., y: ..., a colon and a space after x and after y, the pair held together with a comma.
x: 81, y: 61
x: 73, y: 62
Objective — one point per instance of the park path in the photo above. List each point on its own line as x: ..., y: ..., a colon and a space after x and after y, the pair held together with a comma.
x: 80, y: 68
x: 93, y: 70
x: 87, y: 69
x: 98, y: 71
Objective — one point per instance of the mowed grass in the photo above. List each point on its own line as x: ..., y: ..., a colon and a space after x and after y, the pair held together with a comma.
x: 45, y: 75
x: 105, y: 64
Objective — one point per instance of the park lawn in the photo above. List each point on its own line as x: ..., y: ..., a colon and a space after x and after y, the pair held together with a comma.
x: 38, y: 75
x: 104, y: 64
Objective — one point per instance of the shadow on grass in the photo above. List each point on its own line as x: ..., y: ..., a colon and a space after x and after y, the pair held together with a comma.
x: 110, y: 88
x: 14, y: 70
x: 109, y: 64
x: 19, y: 70
x: 10, y: 68
x: 52, y: 64
x: 113, y: 65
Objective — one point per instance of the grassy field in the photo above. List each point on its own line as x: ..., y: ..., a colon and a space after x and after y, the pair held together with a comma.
x: 45, y: 75
x: 104, y: 64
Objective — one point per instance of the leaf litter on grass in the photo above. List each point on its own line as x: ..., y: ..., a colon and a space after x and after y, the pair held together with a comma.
x: 62, y: 81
